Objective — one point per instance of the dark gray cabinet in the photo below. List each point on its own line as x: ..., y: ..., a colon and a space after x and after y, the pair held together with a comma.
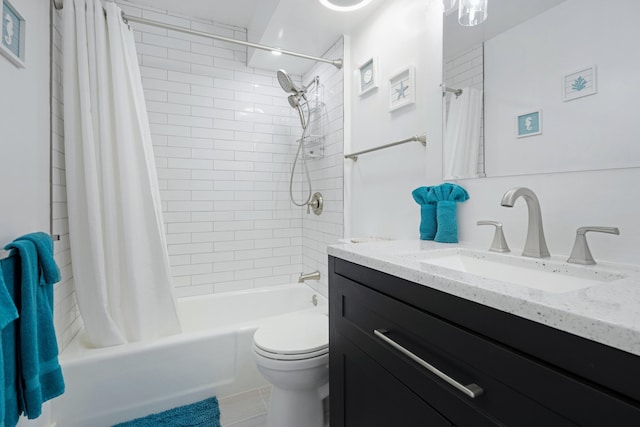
x: 529, y: 374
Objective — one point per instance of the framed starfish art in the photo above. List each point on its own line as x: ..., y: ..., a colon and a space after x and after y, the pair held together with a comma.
x: 402, y: 90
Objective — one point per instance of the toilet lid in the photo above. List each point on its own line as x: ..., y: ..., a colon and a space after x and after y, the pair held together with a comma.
x: 297, y: 334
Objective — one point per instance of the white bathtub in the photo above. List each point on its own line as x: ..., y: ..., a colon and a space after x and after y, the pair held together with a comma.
x: 211, y: 357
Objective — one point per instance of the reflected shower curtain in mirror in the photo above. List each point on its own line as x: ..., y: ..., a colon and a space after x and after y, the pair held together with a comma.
x: 119, y: 256
x: 462, y: 135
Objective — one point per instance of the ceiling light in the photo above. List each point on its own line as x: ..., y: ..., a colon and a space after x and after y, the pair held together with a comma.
x: 472, y: 12
x: 344, y: 5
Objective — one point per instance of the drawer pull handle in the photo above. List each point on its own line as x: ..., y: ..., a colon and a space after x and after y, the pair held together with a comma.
x: 471, y: 390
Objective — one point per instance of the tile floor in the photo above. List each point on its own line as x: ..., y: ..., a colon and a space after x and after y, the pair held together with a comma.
x: 249, y: 409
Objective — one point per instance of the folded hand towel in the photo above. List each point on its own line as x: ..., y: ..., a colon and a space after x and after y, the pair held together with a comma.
x: 38, y: 353
x: 446, y: 196
x: 10, y: 408
x: 427, y: 213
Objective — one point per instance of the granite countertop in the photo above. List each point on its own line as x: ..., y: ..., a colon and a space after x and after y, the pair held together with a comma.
x: 608, y: 313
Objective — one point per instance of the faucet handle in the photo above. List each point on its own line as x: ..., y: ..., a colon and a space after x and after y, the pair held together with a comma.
x: 581, y: 253
x: 499, y: 243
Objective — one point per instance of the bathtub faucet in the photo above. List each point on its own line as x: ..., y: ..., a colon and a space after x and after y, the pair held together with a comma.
x: 309, y: 276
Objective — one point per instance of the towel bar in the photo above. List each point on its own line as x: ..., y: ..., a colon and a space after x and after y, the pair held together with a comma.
x: 421, y: 138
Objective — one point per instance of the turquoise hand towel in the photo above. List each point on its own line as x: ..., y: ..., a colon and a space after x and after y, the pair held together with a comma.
x: 10, y: 400
x: 8, y: 312
x: 446, y: 196
x: 40, y: 371
x: 427, y: 213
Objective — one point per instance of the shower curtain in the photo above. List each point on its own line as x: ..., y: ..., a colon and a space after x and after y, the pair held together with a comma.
x: 120, y: 261
x: 462, y: 135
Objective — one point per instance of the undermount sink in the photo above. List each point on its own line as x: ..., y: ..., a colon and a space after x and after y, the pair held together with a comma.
x: 543, y: 274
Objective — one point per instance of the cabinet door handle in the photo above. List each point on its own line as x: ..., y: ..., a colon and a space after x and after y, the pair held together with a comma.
x: 471, y: 390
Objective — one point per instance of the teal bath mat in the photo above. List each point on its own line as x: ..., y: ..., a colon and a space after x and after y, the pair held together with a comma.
x: 205, y: 413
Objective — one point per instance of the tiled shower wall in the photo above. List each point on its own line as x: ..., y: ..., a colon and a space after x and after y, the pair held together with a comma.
x: 466, y: 69
x: 224, y: 138
x: 66, y: 314
x: 326, y: 173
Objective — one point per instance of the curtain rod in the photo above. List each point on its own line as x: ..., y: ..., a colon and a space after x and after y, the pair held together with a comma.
x: 58, y: 4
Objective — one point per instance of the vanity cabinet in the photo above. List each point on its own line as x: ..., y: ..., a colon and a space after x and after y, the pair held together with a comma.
x: 386, y: 333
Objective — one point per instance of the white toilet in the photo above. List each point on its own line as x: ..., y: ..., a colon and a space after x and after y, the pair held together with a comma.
x: 292, y: 353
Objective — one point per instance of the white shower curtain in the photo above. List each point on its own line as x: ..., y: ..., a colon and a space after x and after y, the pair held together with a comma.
x: 120, y: 262
x: 462, y: 135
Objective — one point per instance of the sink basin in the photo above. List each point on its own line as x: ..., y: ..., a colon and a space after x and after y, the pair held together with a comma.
x: 543, y: 274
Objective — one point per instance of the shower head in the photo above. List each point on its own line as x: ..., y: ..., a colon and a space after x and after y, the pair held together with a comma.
x: 294, y: 101
x: 287, y: 84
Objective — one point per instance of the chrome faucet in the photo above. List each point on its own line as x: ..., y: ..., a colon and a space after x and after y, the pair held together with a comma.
x: 535, y: 245
x: 581, y: 253
x: 309, y: 276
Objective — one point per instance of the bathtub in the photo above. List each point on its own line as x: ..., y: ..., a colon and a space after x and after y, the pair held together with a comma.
x: 212, y: 356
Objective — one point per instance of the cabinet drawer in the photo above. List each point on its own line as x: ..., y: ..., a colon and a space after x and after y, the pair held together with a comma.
x: 517, y: 390
x: 370, y: 396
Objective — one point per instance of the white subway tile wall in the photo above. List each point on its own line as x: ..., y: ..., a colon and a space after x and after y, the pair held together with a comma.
x: 225, y: 137
x: 466, y: 69
x: 326, y: 173
x: 66, y: 314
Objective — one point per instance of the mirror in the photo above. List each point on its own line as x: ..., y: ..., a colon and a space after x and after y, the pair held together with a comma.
x: 561, y: 85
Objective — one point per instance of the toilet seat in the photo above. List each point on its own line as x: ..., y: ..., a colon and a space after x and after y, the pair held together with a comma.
x: 296, y: 337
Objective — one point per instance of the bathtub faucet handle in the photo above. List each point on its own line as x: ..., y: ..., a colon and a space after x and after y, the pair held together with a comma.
x: 309, y: 276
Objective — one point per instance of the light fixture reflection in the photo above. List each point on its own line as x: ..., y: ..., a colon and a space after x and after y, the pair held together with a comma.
x: 344, y: 5
x: 472, y: 12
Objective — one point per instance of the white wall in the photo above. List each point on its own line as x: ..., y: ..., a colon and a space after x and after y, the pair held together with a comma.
x: 24, y: 129
x: 24, y: 154
x: 378, y: 194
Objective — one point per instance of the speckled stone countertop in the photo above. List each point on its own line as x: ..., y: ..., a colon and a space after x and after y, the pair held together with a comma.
x: 608, y: 313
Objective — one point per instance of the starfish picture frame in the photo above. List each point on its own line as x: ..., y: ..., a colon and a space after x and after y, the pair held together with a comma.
x: 402, y: 88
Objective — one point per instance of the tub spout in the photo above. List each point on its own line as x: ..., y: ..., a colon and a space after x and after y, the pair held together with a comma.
x: 309, y: 276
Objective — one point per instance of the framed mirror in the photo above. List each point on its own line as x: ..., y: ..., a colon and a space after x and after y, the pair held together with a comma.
x: 560, y: 84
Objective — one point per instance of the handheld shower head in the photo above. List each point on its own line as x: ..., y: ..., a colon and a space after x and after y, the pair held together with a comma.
x: 294, y: 101
x: 286, y: 83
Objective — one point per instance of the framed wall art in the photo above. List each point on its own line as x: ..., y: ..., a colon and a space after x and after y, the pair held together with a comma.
x: 12, y: 29
x: 529, y: 124
x: 402, y: 88
x: 368, y: 76
x: 579, y: 83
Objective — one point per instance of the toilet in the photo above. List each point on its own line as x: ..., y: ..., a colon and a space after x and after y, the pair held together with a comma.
x: 292, y: 353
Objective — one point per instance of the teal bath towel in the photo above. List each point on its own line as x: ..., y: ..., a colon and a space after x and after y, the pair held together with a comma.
x: 39, y: 370
x: 8, y: 313
x: 427, y: 213
x: 446, y: 196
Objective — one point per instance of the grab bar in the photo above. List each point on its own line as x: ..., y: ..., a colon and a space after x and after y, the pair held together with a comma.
x: 420, y: 138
